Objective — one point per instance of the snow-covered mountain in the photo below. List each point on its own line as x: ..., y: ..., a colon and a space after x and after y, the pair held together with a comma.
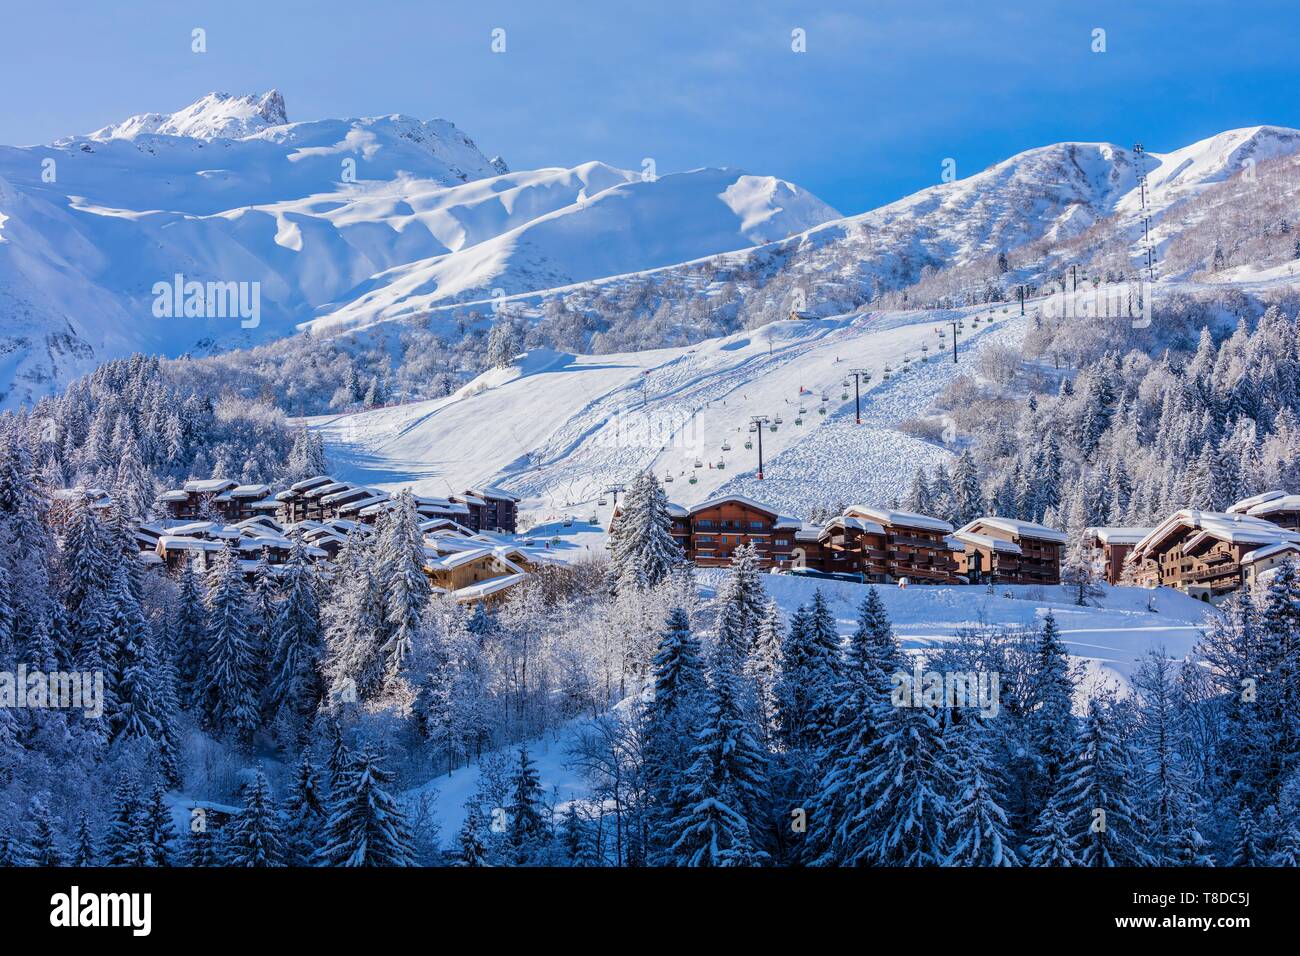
x: 372, y: 215
x: 343, y: 223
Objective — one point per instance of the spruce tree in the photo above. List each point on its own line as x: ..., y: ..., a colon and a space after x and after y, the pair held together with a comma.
x: 126, y: 842
x: 298, y: 640
x: 1052, y: 843
x: 642, y: 548
x: 839, y: 819
x: 254, y: 837
x: 1245, y: 850
x: 43, y: 843
x: 978, y: 834
x: 528, y: 830
x: 724, y: 792
x: 1099, y: 796
x: 304, y: 814
x: 160, y: 832
x: 470, y: 839
x: 366, y: 827
x: 84, y: 854
x: 679, y: 688
x: 228, y: 669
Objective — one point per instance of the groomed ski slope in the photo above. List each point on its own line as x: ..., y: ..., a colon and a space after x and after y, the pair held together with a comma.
x: 558, y: 429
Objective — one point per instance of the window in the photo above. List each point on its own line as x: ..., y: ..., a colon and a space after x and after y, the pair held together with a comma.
x: 756, y: 524
x: 783, y: 542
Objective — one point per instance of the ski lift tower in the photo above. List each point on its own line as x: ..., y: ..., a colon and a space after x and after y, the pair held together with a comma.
x: 1140, y: 160
x: 756, y: 424
x: 861, y: 376
x: 615, y: 490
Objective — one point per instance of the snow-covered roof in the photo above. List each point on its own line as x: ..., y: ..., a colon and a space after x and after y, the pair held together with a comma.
x: 808, y: 532
x: 857, y: 524
x: 176, y: 494
x: 1276, y: 506
x: 482, y: 589
x: 985, y: 541
x: 313, y: 482
x: 1021, y: 529
x: 677, y: 511
x: 349, y: 492
x: 1234, y: 528
x: 1119, y: 535
x: 471, y: 499
x: 209, y: 486
x: 329, y: 489
x: 1245, y: 504
x: 1270, y: 550
x: 492, y: 491
x: 250, y: 491
x: 444, y: 524
x: 905, y: 519
x: 736, y: 499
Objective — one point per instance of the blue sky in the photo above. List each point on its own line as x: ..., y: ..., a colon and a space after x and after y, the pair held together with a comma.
x: 885, y: 92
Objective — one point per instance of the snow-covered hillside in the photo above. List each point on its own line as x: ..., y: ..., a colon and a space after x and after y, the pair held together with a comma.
x: 1105, y: 642
x: 558, y: 429
x: 366, y: 218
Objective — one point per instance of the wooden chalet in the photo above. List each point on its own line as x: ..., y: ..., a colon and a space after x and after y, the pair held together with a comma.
x: 1009, y: 551
x: 488, y: 509
x: 1111, y: 548
x: 885, y: 545
x: 1278, y: 507
x: 1257, y: 566
x: 1202, y: 552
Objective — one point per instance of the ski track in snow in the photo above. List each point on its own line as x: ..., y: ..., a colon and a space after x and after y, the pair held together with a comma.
x: 562, y: 428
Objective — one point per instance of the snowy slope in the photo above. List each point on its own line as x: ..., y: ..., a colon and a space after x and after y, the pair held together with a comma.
x: 1105, y: 642
x: 558, y: 429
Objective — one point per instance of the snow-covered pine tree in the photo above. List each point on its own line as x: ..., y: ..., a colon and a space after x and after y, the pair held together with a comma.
x: 1165, y: 786
x: 229, y: 667
x: 1100, y: 796
x: 762, y: 669
x: 84, y: 852
x: 366, y: 827
x: 298, y: 640
x: 905, y: 786
x: 679, y: 688
x: 42, y: 842
x: 724, y: 792
x: 810, y: 665
x: 1052, y: 843
x: 741, y: 602
x: 1245, y: 849
x: 978, y: 833
x: 405, y: 586
x: 968, y: 497
x: 127, y: 841
x: 1049, y: 723
x: 190, y: 635
x: 160, y: 832
x: 527, y: 810
x: 838, y: 825
x: 470, y: 838
x: 574, y: 840
x: 643, y: 552
x: 304, y: 814
x: 254, y: 837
